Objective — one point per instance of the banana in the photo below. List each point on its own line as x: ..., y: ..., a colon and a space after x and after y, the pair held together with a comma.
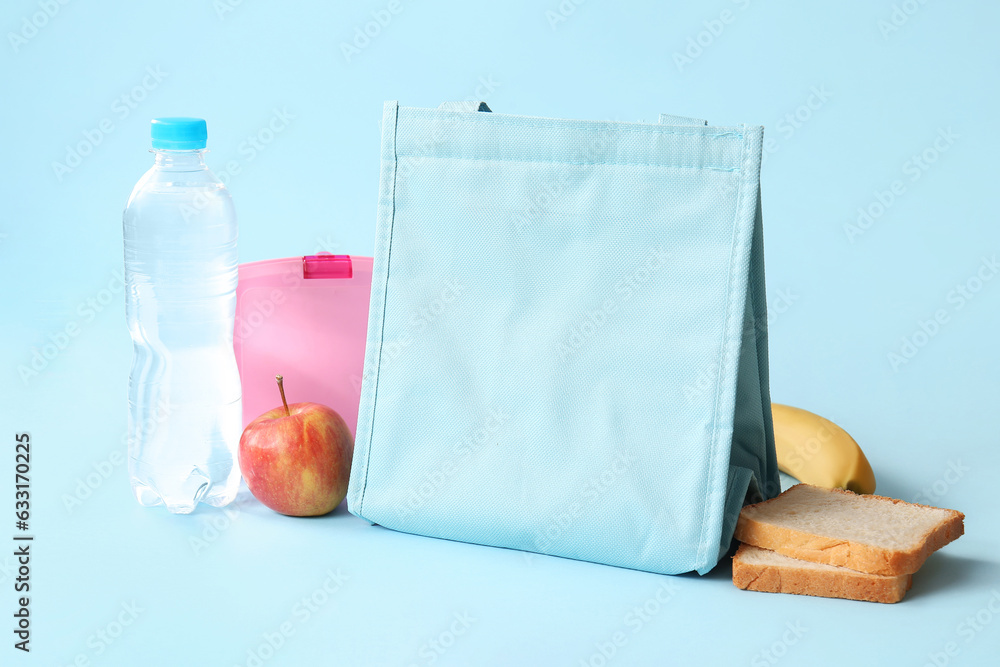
x: 816, y: 451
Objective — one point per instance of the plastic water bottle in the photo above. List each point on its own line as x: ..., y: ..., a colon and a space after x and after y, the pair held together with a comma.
x: 180, y: 281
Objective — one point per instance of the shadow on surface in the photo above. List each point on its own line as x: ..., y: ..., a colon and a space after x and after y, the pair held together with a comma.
x: 943, y: 571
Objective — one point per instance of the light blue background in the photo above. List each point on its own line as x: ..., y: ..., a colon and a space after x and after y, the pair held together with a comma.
x: 840, y: 308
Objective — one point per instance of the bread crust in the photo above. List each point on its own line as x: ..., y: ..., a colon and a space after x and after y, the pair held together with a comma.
x: 845, y: 584
x: 867, y: 558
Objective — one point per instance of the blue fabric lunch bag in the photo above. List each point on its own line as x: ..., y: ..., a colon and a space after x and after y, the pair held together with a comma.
x: 567, y: 338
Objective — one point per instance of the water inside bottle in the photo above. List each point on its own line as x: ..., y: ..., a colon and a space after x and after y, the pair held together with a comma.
x: 184, y: 387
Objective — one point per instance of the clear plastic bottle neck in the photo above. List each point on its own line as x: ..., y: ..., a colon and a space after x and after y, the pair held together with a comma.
x: 189, y: 160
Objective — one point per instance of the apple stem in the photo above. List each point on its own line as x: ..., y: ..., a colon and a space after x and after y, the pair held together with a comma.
x: 281, y: 388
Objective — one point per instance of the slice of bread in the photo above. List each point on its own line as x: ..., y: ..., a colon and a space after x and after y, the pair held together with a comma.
x: 866, y: 533
x: 757, y: 569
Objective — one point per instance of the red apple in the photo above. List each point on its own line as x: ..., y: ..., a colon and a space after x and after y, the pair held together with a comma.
x: 296, y: 459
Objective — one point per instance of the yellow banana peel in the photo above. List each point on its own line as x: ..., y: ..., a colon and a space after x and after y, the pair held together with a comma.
x: 816, y: 451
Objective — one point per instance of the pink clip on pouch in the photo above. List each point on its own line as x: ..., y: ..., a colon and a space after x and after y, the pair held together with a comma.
x: 305, y: 318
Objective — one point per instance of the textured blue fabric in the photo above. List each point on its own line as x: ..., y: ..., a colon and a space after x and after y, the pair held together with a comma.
x: 567, y: 342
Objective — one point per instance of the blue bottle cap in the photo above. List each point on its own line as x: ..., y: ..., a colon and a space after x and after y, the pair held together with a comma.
x: 179, y: 133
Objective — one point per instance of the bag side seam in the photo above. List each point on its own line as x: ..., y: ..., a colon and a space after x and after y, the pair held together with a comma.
x: 714, y: 445
x: 385, y: 289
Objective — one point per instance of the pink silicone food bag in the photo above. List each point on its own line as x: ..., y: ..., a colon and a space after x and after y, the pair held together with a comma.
x: 305, y: 318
